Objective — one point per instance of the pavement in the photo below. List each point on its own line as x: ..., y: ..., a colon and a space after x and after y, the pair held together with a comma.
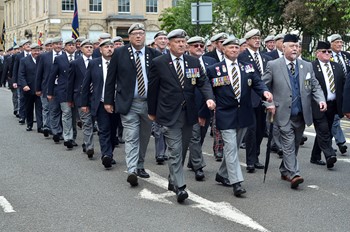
x: 45, y: 187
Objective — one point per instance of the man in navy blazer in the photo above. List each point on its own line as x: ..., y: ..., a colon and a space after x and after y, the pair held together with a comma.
x: 172, y: 81
x: 93, y: 102
x: 26, y: 80
x: 42, y: 76
x: 57, y: 95
x: 126, y: 93
x: 196, y: 159
x: 77, y: 73
x: 233, y: 82
x: 255, y: 133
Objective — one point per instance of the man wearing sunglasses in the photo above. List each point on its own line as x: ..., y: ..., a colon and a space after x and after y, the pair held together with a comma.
x: 331, y: 78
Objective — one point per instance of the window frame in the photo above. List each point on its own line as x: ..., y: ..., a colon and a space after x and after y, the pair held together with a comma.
x: 65, y: 3
x: 97, y: 4
x: 122, y: 4
x: 153, y: 5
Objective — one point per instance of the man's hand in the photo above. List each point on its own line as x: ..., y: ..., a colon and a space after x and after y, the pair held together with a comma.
x: 211, y: 104
x: 26, y: 88
x: 201, y: 121
x: 49, y: 97
x: 71, y: 104
x: 38, y: 93
x: 323, y: 106
x: 271, y: 109
x: 347, y: 115
x: 14, y: 85
x: 85, y: 109
x: 152, y: 117
x: 109, y: 108
x: 268, y: 96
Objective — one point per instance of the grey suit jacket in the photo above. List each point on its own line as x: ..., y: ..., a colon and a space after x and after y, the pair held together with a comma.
x: 277, y: 80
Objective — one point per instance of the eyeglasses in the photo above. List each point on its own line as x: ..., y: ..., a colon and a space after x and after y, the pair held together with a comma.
x: 326, y: 51
x: 137, y: 33
x: 198, y: 45
x: 221, y: 41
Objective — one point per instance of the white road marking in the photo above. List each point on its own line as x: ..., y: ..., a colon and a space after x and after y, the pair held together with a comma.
x: 344, y: 160
x: 6, y: 205
x: 146, y: 194
x: 221, y: 209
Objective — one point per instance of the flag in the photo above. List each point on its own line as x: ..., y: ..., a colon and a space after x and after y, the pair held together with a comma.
x: 75, y: 22
x: 40, y: 39
x: 14, y: 41
x: 2, y: 40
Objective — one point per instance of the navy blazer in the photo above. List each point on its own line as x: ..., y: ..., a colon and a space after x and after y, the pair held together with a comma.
x: 43, y: 72
x: 27, y: 74
x: 339, y: 81
x: 122, y: 73
x: 77, y: 73
x: 201, y: 104
x: 231, y: 114
x: 213, y: 55
x: 59, y: 70
x: 17, y: 59
x: 94, y: 76
x: 7, y: 71
x: 274, y: 54
x: 166, y: 97
x: 246, y: 57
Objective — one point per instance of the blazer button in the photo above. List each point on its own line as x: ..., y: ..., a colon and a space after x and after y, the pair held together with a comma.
x: 289, y: 107
x: 290, y: 96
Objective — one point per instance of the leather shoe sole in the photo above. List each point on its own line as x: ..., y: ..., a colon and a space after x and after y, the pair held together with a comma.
x: 296, y: 181
x: 68, y: 144
x: 199, y: 175
x: 331, y: 161
x: 142, y: 173
x: 181, y: 195
x: 250, y: 168
x: 132, y: 179
x: 286, y: 178
x: 90, y: 153
x: 225, y: 182
x: 259, y: 166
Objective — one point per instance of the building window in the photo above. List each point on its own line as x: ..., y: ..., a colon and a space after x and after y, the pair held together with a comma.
x: 175, y: 2
x: 67, y: 5
x: 96, y: 5
x: 151, y: 6
x: 124, y: 6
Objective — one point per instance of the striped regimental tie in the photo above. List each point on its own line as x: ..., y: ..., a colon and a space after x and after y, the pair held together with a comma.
x: 141, y: 84
x: 256, y: 58
x: 235, y: 81
x: 330, y: 78
x: 179, y: 72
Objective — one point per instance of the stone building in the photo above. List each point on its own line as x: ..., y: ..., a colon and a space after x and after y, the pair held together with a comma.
x: 36, y: 19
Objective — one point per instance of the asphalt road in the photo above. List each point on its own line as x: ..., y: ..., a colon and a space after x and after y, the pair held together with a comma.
x: 44, y: 187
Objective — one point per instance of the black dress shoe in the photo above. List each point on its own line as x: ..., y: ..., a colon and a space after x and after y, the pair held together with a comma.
x: 181, y: 195
x: 46, y: 132
x: 142, y: 173
x: 90, y: 153
x: 238, y: 190
x: 15, y: 112
x: 61, y: 137
x: 74, y: 143
x: 224, y: 181
x: 190, y: 166
x: 56, y: 138
x: 342, y: 148
x: 114, y: 162
x: 132, y: 179
x: 160, y: 160
x: 318, y: 162
x: 171, y: 187
x: 331, y: 161
x: 199, y: 174
x: 40, y: 130
x: 68, y: 144
x: 258, y: 165
x: 107, y: 161
x: 80, y: 124
x: 218, y: 159
x: 21, y: 121
x: 250, y: 168
x: 303, y: 140
x: 29, y: 128
x: 280, y: 153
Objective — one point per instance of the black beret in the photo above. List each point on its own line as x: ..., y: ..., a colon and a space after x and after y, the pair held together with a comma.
x: 291, y: 38
x: 323, y: 45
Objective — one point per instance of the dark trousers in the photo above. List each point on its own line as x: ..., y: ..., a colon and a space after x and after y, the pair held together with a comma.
x: 323, y: 127
x: 255, y: 135
x: 22, y: 107
x: 119, y: 126
x: 204, y: 130
x: 107, y: 124
x: 31, y: 100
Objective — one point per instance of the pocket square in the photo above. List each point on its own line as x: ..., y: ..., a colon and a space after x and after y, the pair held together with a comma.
x: 308, y: 76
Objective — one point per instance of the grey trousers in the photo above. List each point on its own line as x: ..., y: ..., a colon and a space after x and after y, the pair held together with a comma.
x: 195, y: 159
x: 291, y: 135
x: 15, y: 100
x: 45, y: 112
x: 137, y: 132
x: 175, y: 137
x: 55, y: 117
x: 88, y: 129
x: 337, y: 131
x: 67, y: 121
x: 230, y: 167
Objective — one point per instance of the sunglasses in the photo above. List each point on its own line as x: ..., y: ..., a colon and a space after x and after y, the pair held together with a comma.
x: 198, y: 45
x: 326, y: 51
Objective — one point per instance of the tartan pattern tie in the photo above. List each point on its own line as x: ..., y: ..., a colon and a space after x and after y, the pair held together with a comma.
x: 179, y: 72
x: 341, y: 64
x: 139, y: 74
x: 235, y: 81
x: 256, y: 58
x: 292, y: 68
x: 70, y: 57
x: 330, y: 78
x: 107, y: 64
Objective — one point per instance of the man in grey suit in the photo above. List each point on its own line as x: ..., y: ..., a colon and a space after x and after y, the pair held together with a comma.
x: 293, y: 84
